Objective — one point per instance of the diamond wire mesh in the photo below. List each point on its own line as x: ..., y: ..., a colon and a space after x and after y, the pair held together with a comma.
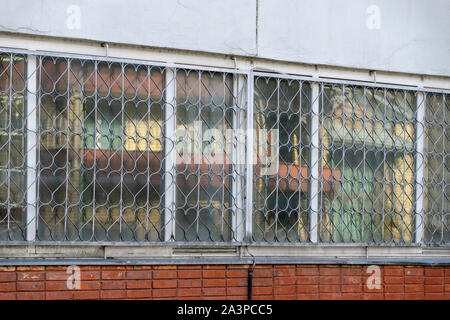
x: 133, y: 152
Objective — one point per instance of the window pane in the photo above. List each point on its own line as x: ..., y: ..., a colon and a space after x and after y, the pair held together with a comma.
x: 100, y: 151
x: 368, y: 149
x: 437, y: 169
x: 280, y: 194
x: 204, y: 170
x: 12, y: 147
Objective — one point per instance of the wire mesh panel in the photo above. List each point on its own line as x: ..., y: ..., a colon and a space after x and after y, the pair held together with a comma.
x: 282, y: 135
x: 106, y: 165
x: 437, y: 169
x: 368, y: 146
x: 12, y: 147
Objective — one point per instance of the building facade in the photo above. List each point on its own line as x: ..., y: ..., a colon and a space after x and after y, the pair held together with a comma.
x: 240, y: 149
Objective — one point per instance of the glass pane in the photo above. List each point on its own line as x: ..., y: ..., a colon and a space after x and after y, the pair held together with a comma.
x: 204, y: 172
x: 12, y: 147
x: 368, y: 145
x: 280, y: 194
x: 100, y: 151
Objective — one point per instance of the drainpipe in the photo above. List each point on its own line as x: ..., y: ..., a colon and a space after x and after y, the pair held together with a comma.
x: 250, y: 276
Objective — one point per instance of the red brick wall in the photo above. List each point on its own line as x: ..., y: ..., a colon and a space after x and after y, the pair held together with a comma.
x: 225, y: 282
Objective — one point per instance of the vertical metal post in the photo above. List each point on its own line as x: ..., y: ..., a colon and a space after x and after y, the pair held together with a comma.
x: 249, y: 160
x: 31, y: 148
x: 170, y: 153
x: 420, y: 166
x: 238, y: 149
x: 314, y: 228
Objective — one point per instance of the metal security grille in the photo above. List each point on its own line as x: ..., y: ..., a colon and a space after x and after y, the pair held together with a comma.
x: 112, y: 150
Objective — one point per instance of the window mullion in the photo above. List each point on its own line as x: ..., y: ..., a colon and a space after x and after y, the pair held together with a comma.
x: 170, y: 153
x: 249, y: 159
x: 420, y: 166
x: 314, y: 184
x: 31, y: 164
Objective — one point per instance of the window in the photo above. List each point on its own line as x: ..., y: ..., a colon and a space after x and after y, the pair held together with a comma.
x: 368, y: 142
x: 110, y: 150
x: 12, y: 146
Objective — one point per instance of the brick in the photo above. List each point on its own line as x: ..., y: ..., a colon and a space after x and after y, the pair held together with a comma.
x: 139, y: 294
x: 307, y: 271
x: 164, y: 284
x: 89, y: 275
x: 139, y: 284
x: 237, y: 298
x: 113, y: 294
x: 284, y: 272
x: 414, y: 288
x: 434, y: 280
x: 59, y: 295
x: 394, y: 296
x: 308, y: 289
x: 285, y: 297
x: 7, y: 269
x: 414, y: 271
x: 434, y: 272
x: 305, y: 296
x: 393, y: 271
x: 351, y: 296
x: 7, y: 286
x: 30, y: 268
x: 346, y: 279
x: 415, y: 296
x: 284, y: 290
x: 164, y: 274
x: 351, y: 288
x: 213, y: 273
x: 86, y: 295
x: 435, y: 296
x: 329, y: 271
x: 373, y: 296
x: 189, y: 274
x: 164, y: 267
x: 394, y: 288
x: 7, y: 276
x: 329, y: 288
x: 31, y: 276
x: 393, y: 280
x: 262, y: 290
x: 113, y: 275
x: 287, y: 281
x: 330, y: 296
x: 190, y: 267
x: 113, y: 285
x: 30, y: 286
x: 164, y: 293
x: 30, y: 295
x: 56, y: 275
x: 237, y: 291
x: 139, y: 275
x: 262, y: 297
x: 263, y: 273
x: 237, y: 273
x: 188, y: 283
x: 354, y: 271
x: 214, y: 291
x: 434, y: 288
x: 56, y: 285
x: 414, y: 280
x: 237, y: 282
x: 90, y: 285
x: 329, y: 280
x: 264, y: 282
x: 214, y: 267
x: 113, y: 268
x: 8, y: 296
x: 189, y: 292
